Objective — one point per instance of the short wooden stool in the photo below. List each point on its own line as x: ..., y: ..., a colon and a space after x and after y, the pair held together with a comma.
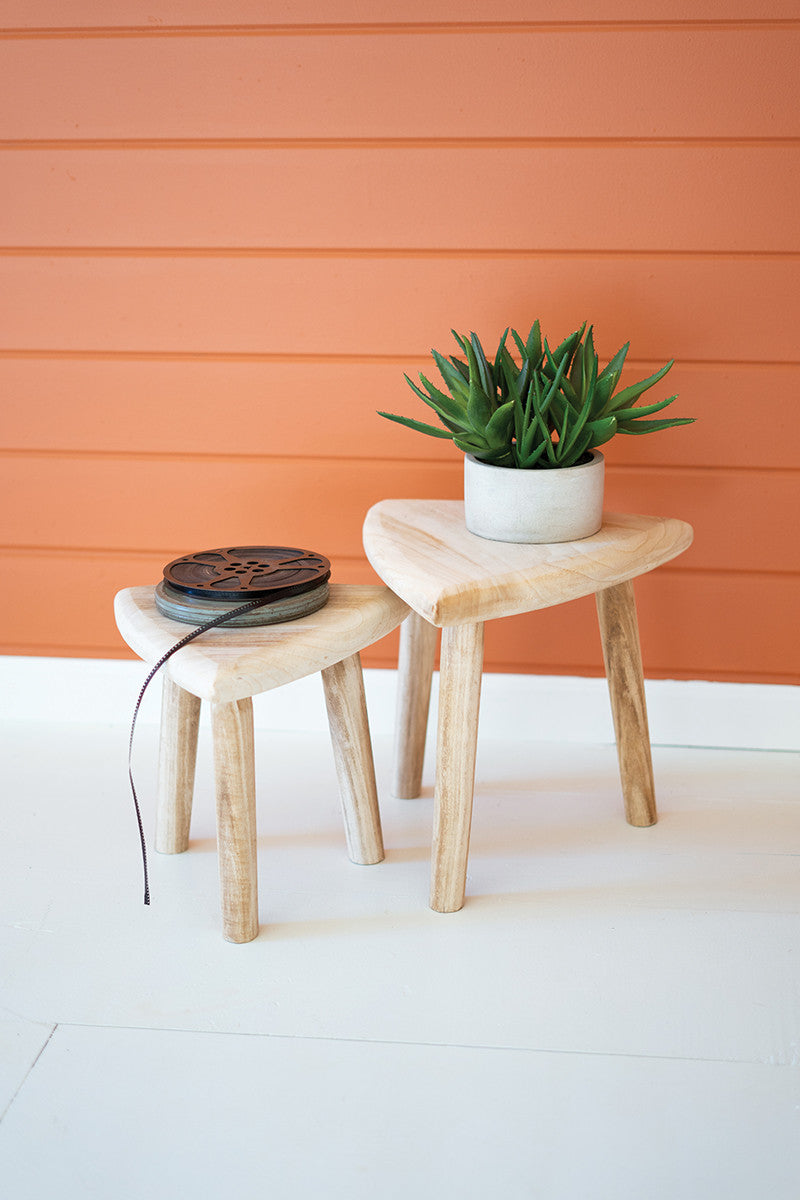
x: 455, y: 580
x: 230, y: 666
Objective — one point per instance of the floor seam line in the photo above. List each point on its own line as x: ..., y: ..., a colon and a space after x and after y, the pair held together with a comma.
x: 27, y: 1075
x: 356, y: 1041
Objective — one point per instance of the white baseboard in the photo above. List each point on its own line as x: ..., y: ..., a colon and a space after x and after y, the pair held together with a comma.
x: 527, y: 707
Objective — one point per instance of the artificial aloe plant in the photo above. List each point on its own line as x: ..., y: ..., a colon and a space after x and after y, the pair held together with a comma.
x: 547, y: 410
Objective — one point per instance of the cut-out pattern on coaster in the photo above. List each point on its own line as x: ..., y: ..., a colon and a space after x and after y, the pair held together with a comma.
x: 248, y: 572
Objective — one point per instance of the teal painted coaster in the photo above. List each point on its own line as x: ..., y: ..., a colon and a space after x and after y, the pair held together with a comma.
x: 196, y: 610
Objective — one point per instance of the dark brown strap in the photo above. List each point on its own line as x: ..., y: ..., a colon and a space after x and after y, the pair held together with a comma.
x: 220, y: 620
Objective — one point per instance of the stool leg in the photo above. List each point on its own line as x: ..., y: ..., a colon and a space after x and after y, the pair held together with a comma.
x: 352, y: 752
x: 234, y: 768
x: 459, y: 702
x: 414, y: 674
x: 177, y: 754
x: 619, y: 630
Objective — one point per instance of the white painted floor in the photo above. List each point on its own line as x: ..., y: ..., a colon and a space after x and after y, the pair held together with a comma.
x: 615, y: 1012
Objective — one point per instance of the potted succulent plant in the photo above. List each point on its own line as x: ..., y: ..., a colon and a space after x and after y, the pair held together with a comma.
x: 530, y: 429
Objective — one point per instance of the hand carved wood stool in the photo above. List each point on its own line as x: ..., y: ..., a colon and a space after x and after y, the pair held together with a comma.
x: 228, y: 667
x: 452, y: 579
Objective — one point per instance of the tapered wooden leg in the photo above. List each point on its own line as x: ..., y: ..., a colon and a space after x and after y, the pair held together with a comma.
x: 414, y: 674
x: 177, y: 754
x: 234, y: 769
x: 619, y: 630
x: 459, y: 702
x: 352, y: 751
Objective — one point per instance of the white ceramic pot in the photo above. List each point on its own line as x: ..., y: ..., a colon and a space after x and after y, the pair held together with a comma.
x: 509, y: 505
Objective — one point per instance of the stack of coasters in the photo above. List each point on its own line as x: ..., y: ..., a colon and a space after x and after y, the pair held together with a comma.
x: 197, y: 588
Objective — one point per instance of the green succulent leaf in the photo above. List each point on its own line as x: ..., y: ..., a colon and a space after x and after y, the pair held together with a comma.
x: 519, y: 344
x: 570, y: 394
x: 534, y: 428
x: 589, y: 372
x: 602, y: 430
x: 554, y: 384
x: 603, y: 392
x: 482, y: 402
x: 608, y: 379
x: 498, y: 455
x: 532, y: 437
x: 628, y: 395
x: 459, y: 420
x: 614, y: 365
x: 498, y: 429
x: 419, y: 426
x: 498, y: 357
x: 531, y: 349
x: 568, y: 443
x: 576, y: 371
x: 511, y: 376
x: 438, y: 401
x: 565, y: 351
x: 484, y: 373
x: 533, y: 344
x: 527, y: 461
x: 564, y: 433
x: 524, y: 376
x: 646, y: 410
x: 577, y: 450
x: 589, y: 350
x: 653, y: 426
x: 460, y: 366
x: 461, y: 341
x: 455, y: 381
x: 479, y: 407
x: 471, y: 445
x: 415, y: 388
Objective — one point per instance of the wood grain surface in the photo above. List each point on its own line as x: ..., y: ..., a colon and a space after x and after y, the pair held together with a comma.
x: 343, y: 684
x: 456, y: 746
x: 616, y: 610
x: 415, y: 665
x: 234, y: 770
x: 225, y: 665
x: 177, y: 756
x: 423, y: 550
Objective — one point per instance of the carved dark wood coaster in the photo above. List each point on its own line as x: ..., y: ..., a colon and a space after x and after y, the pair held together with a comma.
x: 242, y: 573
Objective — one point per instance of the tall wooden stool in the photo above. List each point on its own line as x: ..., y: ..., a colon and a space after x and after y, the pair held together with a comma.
x: 456, y: 581
x: 230, y: 666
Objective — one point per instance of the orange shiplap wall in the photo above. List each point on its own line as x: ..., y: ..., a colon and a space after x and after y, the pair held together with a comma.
x: 224, y: 241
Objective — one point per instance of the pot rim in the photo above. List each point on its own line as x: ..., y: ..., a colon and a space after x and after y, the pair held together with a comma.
x: 596, y: 456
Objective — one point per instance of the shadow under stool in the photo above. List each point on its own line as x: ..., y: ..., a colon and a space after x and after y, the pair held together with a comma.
x: 454, y: 580
x: 227, y: 667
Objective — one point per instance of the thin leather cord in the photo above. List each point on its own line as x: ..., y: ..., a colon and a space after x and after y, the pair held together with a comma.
x: 220, y: 620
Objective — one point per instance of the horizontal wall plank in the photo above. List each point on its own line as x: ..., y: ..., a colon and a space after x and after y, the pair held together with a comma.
x: 327, y: 409
x: 137, y: 504
x: 692, y: 626
x: 679, y: 615
x: 723, y: 198
x: 498, y: 84
x: 742, y: 520
x: 88, y: 14
x: 682, y: 307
